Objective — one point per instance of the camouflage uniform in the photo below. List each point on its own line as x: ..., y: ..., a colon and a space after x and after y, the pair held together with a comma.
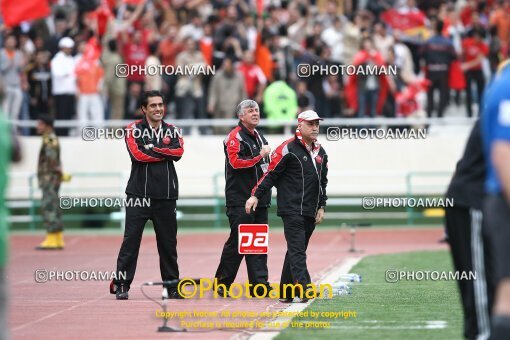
x: 49, y: 174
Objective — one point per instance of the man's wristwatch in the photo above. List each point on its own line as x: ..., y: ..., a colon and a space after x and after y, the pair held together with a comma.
x: 323, y: 207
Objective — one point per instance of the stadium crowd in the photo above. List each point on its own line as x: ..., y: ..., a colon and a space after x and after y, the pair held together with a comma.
x: 65, y: 63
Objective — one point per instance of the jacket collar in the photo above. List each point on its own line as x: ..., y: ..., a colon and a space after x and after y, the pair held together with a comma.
x: 313, y: 149
x: 146, y: 124
x: 245, y: 129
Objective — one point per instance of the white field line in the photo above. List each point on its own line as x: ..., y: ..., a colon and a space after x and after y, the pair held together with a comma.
x: 331, y: 277
x: 432, y: 324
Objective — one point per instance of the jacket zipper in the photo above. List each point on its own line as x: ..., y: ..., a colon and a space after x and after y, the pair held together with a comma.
x: 320, y: 187
x: 317, y: 172
x: 168, y: 177
x: 146, y: 166
x: 251, y: 152
x: 303, y: 178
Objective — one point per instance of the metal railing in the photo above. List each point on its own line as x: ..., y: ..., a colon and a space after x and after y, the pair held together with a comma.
x: 196, y: 124
x: 413, y: 190
x: 388, y: 184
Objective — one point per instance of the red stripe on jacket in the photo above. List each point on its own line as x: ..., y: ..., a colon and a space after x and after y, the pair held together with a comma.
x: 133, y: 148
x: 276, y: 158
x: 233, y: 147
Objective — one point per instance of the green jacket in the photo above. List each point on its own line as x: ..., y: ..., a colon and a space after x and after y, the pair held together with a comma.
x: 280, y: 102
x: 5, y: 157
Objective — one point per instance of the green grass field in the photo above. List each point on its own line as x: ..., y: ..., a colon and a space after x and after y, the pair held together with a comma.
x: 402, y: 310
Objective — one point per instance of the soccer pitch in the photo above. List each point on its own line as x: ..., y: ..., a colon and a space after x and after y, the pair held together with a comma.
x: 401, y: 310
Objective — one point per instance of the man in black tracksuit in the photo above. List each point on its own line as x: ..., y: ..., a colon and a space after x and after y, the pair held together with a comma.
x: 438, y: 54
x: 246, y: 160
x: 468, y: 240
x: 299, y: 170
x: 154, y: 146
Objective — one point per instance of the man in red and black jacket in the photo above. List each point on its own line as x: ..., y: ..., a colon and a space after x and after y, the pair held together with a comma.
x: 154, y: 146
x: 298, y: 170
x: 246, y: 161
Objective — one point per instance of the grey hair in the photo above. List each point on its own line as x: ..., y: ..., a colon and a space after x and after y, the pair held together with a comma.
x: 247, y: 103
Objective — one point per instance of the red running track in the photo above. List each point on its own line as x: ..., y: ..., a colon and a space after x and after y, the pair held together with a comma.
x: 86, y: 310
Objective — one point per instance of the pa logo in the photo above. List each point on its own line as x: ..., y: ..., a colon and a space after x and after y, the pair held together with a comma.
x: 253, y: 238
x: 305, y: 158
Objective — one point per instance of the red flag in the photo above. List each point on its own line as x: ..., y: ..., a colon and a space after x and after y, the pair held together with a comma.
x: 15, y: 12
x: 406, y: 99
x: 101, y: 15
x: 112, y: 4
x: 456, y: 79
x: 92, y: 49
x: 260, y: 7
x: 403, y: 20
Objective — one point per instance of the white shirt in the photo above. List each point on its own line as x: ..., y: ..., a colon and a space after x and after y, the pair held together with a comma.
x: 153, y: 81
x: 335, y: 40
x: 383, y: 44
x: 63, y: 76
x: 192, y: 31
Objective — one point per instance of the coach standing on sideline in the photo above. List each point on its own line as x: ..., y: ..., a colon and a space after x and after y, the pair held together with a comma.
x: 298, y: 169
x: 470, y: 250
x: 496, y: 137
x: 153, y: 148
x: 246, y: 161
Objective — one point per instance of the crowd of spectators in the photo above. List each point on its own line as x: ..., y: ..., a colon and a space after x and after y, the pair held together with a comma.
x: 65, y: 64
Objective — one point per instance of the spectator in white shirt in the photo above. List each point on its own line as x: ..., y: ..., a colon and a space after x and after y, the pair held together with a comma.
x: 192, y: 30
x: 334, y: 38
x: 382, y: 40
x: 154, y: 80
x: 63, y: 83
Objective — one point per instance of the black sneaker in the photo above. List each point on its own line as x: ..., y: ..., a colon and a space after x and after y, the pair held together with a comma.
x: 121, y: 292
x: 174, y: 294
x: 222, y: 293
x: 260, y: 292
x: 298, y: 299
x: 304, y: 299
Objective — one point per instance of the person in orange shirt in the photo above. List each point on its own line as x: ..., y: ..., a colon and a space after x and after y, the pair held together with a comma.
x: 499, y: 19
x: 206, y: 44
x: 89, y: 78
x: 168, y: 50
x: 263, y: 57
